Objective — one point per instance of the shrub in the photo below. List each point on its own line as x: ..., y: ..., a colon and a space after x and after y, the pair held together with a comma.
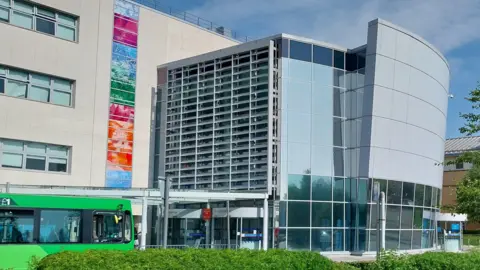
x: 188, y: 259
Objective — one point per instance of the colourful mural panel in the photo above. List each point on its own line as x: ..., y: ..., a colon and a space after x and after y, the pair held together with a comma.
x: 122, y: 95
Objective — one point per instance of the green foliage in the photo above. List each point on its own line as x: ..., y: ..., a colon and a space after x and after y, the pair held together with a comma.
x: 188, y: 259
x: 472, y: 119
x: 425, y: 261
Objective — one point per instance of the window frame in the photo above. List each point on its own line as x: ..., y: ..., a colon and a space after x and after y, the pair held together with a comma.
x: 30, y: 83
x: 24, y: 152
x: 35, y: 14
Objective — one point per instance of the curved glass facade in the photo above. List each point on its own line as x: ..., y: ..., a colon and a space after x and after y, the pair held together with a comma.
x: 337, y: 214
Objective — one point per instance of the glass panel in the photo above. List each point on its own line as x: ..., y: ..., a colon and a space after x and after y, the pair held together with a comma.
x: 298, y: 239
x: 66, y: 32
x: 5, y: 3
x: 283, y: 214
x: 393, y: 217
x: 36, y: 148
x: 2, y: 85
x: 322, y: 75
x: 299, y: 187
x: 339, y: 78
x: 58, y: 150
x: 383, y: 185
x: 338, y: 102
x: 419, y: 190
x: 321, y: 159
x: 2, y: 70
x: 282, y: 239
x: 418, y: 218
x: 298, y: 214
x: 299, y: 127
x: 57, y: 165
x: 67, y: 20
x: 300, y: 51
x: 373, y: 216
x: 321, y: 214
x: 41, y: 80
x: 362, y: 215
x: 321, y: 188
x: 322, y: 55
x: 362, y: 190
x: 338, y: 240
x: 350, y: 215
x: 38, y: 93
x: 60, y: 226
x: 4, y: 14
x: 407, y: 217
x: 322, y: 239
x: 299, y: 158
x: 428, y: 196
x: 391, y: 239
x: 338, y: 132
x: 284, y: 47
x: 338, y: 161
x: 408, y: 192
x: 16, y: 226
x: 12, y: 145
x: 22, y: 20
x: 10, y: 160
x: 394, y: 192
x: 45, y: 12
x: 45, y: 26
x: 339, y: 59
x: 338, y: 214
x: 35, y: 163
x: 372, y: 241
x: 300, y: 71
x: 61, y: 98
x: 417, y: 240
x: 405, y: 240
x: 16, y: 89
x: 18, y: 75
x: 23, y: 6
x: 64, y: 85
x: 338, y: 193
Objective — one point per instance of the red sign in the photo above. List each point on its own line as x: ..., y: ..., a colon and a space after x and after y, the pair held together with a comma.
x: 206, y: 214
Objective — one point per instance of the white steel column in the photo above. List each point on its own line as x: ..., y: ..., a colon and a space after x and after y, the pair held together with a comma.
x: 265, y: 224
x: 143, y: 235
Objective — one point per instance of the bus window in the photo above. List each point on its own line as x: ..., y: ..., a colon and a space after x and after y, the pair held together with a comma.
x: 60, y: 226
x: 16, y: 226
x: 128, y: 227
x: 107, y: 227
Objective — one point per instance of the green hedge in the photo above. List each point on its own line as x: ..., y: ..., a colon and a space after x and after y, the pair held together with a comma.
x: 191, y: 259
x: 425, y: 261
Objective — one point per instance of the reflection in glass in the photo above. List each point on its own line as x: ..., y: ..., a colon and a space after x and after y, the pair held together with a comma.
x: 298, y: 239
x: 362, y: 238
x: 405, y: 240
x: 298, y: 187
x: 321, y: 188
x: 338, y: 212
x: 362, y: 215
x: 372, y: 240
x: 339, y: 59
x: 284, y: 47
x: 321, y: 214
x: 338, y: 102
x: 373, y: 216
x: 391, y: 239
x: 417, y: 240
x: 300, y: 51
x: 298, y: 214
x: 322, y: 239
x: 338, y: 132
x: 407, y: 217
x: 419, y: 190
x: 322, y: 55
x: 339, y: 78
x: 338, y: 162
x: 383, y: 185
x: 393, y: 217
x: 283, y: 214
x: 428, y: 196
x: 394, y: 192
x: 408, y: 192
x: 350, y: 214
x: 417, y: 218
x: 362, y: 190
x: 338, y: 194
x: 338, y: 240
x: 282, y: 239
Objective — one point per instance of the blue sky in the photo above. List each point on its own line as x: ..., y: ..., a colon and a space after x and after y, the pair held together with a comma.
x: 451, y: 26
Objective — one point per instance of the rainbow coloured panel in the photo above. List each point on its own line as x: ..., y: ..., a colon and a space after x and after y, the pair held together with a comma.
x: 122, y: 95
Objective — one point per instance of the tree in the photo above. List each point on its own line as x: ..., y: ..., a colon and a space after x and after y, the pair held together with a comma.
x: 468, y: 189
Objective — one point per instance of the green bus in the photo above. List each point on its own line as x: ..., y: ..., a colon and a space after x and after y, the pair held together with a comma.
x: 37, y: 225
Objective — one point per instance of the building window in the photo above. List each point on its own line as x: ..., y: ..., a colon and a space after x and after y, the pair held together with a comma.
x: 34, y: 86
x: 33, y: 156
x: 459, y: 166
x: 38, y: 18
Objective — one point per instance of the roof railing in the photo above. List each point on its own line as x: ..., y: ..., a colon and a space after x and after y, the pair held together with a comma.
x: 185, y: 16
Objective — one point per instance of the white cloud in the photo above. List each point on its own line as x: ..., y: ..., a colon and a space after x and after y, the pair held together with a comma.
x: 446, y: 24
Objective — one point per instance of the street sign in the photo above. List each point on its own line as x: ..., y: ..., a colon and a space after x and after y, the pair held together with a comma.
x: 376, y: 191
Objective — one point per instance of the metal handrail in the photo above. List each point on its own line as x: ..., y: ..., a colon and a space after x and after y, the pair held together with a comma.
x: 183, y: 15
